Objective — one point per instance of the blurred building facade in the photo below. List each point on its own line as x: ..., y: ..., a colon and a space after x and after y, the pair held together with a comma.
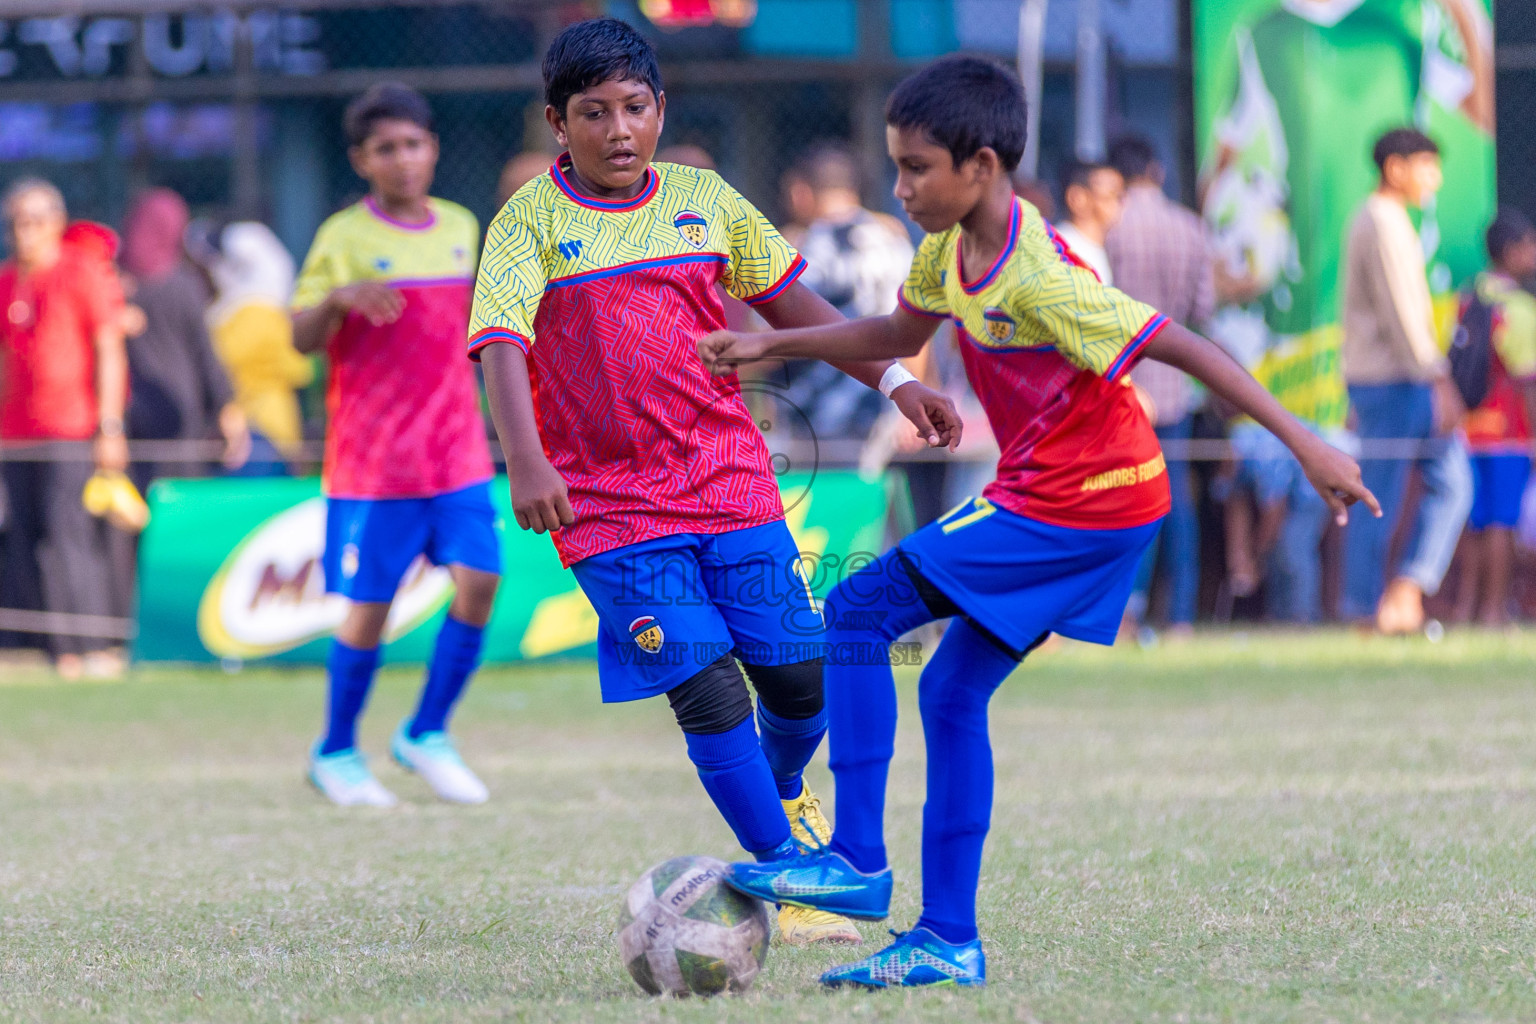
x: 236, y: 103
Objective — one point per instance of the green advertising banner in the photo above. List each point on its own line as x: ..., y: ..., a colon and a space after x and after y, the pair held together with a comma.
x: 230, y: 570
x: 1290, y: 96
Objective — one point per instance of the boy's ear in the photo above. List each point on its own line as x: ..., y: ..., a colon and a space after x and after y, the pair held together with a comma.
x: 355, y: 158
x: 1391, y: 169
x: 556, y: 121
x: 986, y: 163
x: 661, y: 109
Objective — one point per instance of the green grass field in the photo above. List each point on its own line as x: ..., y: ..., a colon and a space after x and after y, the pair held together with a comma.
x: 1241, y: 829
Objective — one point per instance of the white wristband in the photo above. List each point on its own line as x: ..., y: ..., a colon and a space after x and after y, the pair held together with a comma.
x: 894, y: 377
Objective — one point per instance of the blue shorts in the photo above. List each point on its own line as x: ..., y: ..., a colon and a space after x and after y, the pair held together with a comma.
x: 371, y: 542
x: 670, y: 606
x: 1019, y: 579
x: 1498, y: 489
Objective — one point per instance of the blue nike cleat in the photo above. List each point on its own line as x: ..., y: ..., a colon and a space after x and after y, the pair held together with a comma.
x: 818, y: 880
x: 917, y: 959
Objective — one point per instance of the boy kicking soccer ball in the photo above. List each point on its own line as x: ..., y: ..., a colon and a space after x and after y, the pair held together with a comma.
x: 1051, y: 545
x: 385, y: 291
x: 598, y: 281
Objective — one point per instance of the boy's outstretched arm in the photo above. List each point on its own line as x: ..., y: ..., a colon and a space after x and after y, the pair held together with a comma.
x: 894, y: 336
x: 934, y: 415
x: 539, y: 499
x: 1335, y: 475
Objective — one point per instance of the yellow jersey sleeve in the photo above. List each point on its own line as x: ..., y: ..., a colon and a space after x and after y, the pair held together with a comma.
x: 325, y: 268
x: 762, y: 264
x: 1516, y: 343
x: 1093, y: 326
x: 514, y: 271
x: 923, y: 292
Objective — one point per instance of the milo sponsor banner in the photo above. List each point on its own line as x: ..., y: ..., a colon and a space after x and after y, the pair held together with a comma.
x: 1290, y: 96
x: 230, y: 570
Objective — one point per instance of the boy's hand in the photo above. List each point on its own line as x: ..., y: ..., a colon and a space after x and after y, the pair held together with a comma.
x: 724, y: 351
x: 1450, y: 410
x: 1337, y: 478
x: 937, y: 421
x: 539, y: 499
x: 376, y: 301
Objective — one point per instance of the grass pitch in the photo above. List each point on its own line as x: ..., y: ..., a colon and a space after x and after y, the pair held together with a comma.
x: 1266, y: 828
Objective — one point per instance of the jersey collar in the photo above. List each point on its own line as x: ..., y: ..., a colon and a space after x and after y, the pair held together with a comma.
x: 425, y: 225
x: 557, y: 171
x: 972, y: 287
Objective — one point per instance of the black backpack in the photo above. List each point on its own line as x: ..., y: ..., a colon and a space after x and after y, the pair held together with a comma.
x: 1471, y: 353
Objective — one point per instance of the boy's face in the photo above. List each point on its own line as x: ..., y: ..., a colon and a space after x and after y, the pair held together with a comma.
x: 1417, y: 177
x: 933, y: 191
x: 1519, y: 259
x: 1098, y: 204
x: 398, y: 159
x: 611, y: 131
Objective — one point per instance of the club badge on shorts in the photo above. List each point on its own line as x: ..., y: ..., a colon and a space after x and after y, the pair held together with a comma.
x: 646, y: 632
x: 999, y: 325
x: 693, y: 228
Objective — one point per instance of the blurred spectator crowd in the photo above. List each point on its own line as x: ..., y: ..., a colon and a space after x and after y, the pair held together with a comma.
x: 167, y: 351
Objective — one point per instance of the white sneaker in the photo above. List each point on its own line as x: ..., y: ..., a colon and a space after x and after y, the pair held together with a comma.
x: 432, y: 756
x: 345, y: 779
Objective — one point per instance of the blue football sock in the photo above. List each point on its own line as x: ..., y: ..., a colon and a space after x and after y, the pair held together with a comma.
x: 737, y: 778
x: 864, y: 614
x: 350, y: 673
x: 952, y: 697
x: 789, y: 744
x: 454, y: 659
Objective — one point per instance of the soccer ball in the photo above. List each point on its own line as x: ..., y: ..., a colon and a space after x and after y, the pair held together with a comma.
x: 681, y: 930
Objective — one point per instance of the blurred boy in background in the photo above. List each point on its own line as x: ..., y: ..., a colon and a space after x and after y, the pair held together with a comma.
x: 1499, y: 429
x: 385, y: 291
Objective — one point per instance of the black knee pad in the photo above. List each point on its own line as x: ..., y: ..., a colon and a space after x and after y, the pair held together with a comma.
x: 789, y: 691
x: 713, y: 700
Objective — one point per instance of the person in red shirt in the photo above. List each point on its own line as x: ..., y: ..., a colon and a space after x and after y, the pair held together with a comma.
x: 63, y: 377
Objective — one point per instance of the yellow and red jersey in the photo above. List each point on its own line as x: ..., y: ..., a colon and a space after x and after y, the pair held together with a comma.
x: 403, y: 404
x: 1501, y: 424
x: 609, y: 300
x: 1046, y: 349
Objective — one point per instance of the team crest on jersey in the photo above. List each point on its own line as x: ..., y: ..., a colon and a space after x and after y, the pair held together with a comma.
x: 999, y: 325
x: 646, y: 632
x: 693, y: 228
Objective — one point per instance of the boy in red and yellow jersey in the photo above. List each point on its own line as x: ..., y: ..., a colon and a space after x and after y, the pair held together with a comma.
x: 1050, y: 546
x: 599, y: 278
x: 385, y: 291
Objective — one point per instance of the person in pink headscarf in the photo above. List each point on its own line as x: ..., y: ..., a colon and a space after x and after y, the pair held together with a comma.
x: 179, y: 390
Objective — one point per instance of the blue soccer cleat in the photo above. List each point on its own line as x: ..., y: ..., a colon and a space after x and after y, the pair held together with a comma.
x: 819, y: 880
x: 917, y: 959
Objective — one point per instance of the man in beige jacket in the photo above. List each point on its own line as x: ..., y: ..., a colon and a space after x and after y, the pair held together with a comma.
x: 1400, y: 390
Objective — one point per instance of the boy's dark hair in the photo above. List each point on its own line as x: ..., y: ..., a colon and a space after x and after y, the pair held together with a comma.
x: 1509, y: 227
x: 964, y: 104
x: 1404, y: 142
x: 592, y: 52
x: 1134, y: 156
x: 387, y: 101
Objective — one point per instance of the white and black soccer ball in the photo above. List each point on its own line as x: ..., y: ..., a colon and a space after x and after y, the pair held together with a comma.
x: 682, y: 930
